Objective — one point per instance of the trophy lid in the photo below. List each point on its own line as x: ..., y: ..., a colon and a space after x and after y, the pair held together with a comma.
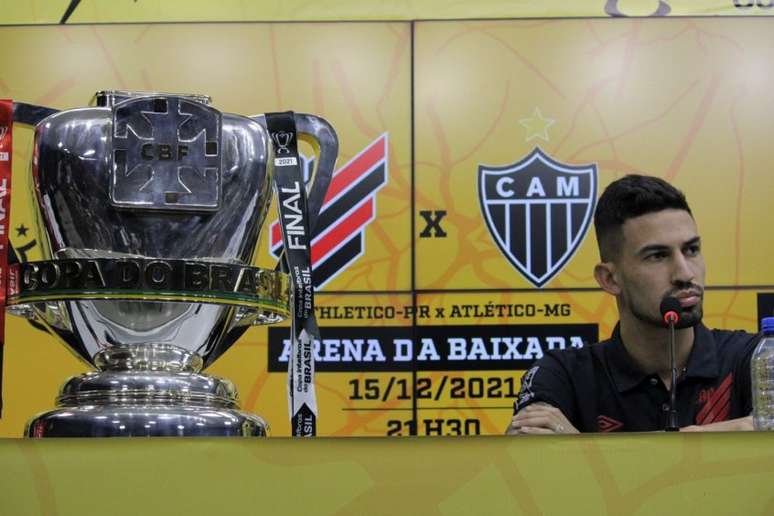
x: 109, y: 98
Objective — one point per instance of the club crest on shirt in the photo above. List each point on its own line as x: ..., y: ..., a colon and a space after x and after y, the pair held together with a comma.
x: 525, y: 394
x: 538, y: 211
x: 716, y: 402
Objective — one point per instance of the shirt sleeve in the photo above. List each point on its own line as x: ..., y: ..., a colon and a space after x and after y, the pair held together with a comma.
x: 547, y: 381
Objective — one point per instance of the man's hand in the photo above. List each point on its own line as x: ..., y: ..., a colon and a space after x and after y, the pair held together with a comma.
x: 540, y: 418
x: 743, y: 424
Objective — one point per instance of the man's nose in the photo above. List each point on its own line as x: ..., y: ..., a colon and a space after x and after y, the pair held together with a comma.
x: 682, y: 271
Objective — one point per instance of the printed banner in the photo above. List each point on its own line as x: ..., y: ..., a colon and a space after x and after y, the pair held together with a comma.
x: 455, y: 244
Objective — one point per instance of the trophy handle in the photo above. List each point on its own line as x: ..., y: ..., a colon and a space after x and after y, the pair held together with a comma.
x: 31, y: 114
x: 318, y: 133
x: 27, y: 114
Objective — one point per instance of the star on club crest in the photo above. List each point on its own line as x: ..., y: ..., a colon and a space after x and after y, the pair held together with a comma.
x: 537, y: 125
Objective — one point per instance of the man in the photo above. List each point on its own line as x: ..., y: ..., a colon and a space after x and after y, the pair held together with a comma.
x: 650, y: 249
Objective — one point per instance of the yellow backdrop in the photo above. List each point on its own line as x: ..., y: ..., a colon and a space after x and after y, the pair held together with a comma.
x: 687, y: 99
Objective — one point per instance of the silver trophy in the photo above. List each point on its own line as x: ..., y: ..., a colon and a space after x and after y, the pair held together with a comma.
x: 151, y: 207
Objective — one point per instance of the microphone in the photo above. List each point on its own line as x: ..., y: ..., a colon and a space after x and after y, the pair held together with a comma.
x: 670, y: 313
x: 670, y: 310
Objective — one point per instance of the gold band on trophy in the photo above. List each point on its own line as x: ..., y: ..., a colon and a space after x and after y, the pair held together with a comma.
x: 150, y: 279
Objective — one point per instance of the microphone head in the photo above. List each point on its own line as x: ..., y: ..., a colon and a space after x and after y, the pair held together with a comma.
x: 670, y: 310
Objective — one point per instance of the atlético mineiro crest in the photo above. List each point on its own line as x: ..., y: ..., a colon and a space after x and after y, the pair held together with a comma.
x: 338, y: 237
x: 538, y: 211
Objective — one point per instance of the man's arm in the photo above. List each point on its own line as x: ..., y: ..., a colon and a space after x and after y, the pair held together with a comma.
x: 745, y: 343
x: 540, y: 418
x: 545, y: 403
x: 742, y: 389
x: 742, y: 424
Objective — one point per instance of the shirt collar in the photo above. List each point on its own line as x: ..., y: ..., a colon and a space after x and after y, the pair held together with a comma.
x: 702, y: 362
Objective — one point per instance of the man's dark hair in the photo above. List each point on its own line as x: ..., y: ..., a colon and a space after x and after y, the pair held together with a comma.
x: 629, y: 197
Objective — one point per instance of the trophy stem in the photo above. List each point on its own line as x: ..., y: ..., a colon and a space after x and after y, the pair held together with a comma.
x: 148, y: 357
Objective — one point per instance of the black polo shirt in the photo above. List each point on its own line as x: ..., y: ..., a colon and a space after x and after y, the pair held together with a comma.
x: 599, y: 388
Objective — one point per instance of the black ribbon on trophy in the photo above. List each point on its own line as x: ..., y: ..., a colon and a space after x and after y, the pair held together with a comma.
x: 294, y: 220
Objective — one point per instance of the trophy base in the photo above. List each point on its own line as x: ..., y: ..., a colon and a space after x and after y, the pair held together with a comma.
x: 147, y: 391
x: 145, y: 421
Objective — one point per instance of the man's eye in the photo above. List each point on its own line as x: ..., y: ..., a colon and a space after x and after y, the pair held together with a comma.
x: 654, y: 257
x: 692, y: 250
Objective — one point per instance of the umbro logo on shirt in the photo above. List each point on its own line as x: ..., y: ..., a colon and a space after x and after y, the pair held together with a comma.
x: 608, y: 424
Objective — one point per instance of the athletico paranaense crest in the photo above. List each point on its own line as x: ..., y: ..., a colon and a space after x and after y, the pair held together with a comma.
x: 338, y: 238
x: 538, y: 211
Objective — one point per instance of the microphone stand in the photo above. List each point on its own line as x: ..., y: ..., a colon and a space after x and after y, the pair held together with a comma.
x: 672, y: 425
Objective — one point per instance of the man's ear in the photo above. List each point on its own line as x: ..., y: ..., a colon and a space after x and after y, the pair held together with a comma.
x: 604, y: 273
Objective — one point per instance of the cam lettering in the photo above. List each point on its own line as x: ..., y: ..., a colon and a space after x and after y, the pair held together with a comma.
x: 163, y: 152
x: 564, y: 187
x: 567, y: 186
x: 536, y: 188
x: 500, y: 187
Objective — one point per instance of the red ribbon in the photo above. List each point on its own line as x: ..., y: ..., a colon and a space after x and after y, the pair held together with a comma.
x: 6, y: 154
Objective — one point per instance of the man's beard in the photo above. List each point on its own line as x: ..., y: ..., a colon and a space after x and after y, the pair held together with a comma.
x: 690, y: 317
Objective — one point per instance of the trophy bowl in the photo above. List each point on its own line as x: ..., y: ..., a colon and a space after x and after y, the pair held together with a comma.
x: 150, y: 208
